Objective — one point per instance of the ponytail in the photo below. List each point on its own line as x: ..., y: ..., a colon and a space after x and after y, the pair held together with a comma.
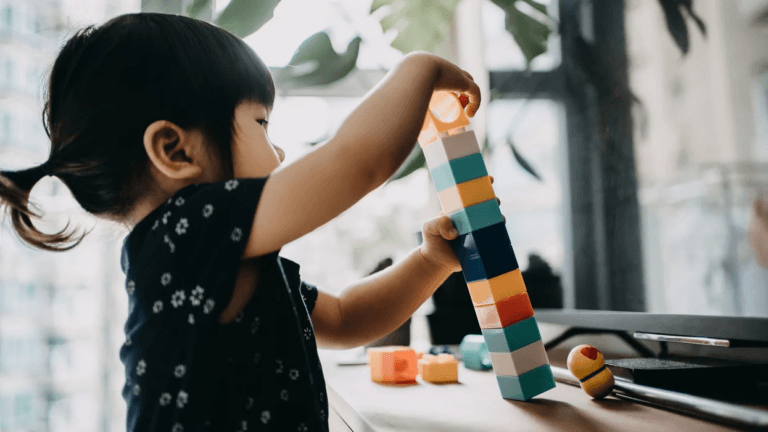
x: 15, y: 187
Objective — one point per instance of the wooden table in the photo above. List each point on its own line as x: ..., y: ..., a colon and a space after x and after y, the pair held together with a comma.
x: 475, y: 404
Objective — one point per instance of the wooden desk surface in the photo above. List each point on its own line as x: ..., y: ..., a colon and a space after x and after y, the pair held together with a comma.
x: 475, y: 404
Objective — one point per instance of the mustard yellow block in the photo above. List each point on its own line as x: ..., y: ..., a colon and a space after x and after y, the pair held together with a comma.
x: 466, y: 194
x: 442, y: 368
x: 392, y: 364
x: 490, y: 291
x: 587, y: 364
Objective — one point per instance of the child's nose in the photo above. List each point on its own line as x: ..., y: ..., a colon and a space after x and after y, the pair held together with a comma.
x: 280, y: 153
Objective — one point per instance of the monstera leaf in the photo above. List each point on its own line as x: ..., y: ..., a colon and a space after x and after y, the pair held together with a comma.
x: 673, y: 12
x: 196, y: 8
x: 421, y: 24
x: 521, y: 160
x: 316, y: 63
x: 529, y: 32
x: 244, y: 17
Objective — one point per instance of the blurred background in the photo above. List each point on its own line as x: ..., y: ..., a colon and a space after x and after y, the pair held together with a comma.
x: 628, y: 140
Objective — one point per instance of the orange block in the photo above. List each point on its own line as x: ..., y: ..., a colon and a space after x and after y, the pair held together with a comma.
x: 505, y: 312
x: 392, y: 364
x: 490, y: 291
x: 466, y: 194
x: 443, y: 368
x: 445, y: 114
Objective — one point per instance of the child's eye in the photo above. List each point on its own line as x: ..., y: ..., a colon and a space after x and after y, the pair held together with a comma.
x: 263, y: 122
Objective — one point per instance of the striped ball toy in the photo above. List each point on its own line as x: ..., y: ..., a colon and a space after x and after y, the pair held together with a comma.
x: 587, y: 364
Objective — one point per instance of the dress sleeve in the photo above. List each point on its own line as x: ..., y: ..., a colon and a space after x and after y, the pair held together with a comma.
x: 307, y: 291
x: 309, y: 295
x: 186, y: 256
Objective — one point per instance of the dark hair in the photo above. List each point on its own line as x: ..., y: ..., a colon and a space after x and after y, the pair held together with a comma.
x: 108, y: 84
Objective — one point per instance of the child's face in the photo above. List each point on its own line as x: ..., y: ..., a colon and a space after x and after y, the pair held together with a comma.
x: 253, y: 154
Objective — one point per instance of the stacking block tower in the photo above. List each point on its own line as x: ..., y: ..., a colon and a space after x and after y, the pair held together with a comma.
x: 485, y: 251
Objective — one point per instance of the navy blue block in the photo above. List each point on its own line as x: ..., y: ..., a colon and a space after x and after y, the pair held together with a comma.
x: 485, y: 253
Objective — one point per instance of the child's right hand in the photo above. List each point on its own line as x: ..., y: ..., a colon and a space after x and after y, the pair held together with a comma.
x: 451, y: 78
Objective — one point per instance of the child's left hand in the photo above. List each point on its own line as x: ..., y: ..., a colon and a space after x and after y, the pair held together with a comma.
x: 436, y: 248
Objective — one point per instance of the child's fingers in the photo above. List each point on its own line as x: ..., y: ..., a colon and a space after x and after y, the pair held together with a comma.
x: 447, y: 230
x: 474, y: 98
x: 473, y: 93
x: 441, y: 226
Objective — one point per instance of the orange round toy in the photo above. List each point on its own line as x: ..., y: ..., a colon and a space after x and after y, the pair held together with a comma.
x: 587, y: 364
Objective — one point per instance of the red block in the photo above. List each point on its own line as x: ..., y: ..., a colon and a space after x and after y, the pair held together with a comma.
x: 504, y: 312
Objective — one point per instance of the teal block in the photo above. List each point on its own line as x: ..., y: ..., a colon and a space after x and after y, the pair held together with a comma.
x: 527, y: 385
x: 458, y: 171
x: 512, y: 337
x: 474, y: 353
x: 477, y: 216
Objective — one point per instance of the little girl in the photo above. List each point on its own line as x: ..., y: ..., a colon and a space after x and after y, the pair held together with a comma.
x: 159, y: 122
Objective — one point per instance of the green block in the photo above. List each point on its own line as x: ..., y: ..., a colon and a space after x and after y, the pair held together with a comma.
x: 527, y: 385
x: 512, y: 337
x: 458, y: 171
x: 477, y: 216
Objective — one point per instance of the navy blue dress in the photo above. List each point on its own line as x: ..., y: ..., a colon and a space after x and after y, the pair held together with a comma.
x: 184, y: 370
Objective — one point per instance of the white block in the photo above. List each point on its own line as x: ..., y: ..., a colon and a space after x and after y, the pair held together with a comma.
x: 451, y: 147
x: 520, y: 361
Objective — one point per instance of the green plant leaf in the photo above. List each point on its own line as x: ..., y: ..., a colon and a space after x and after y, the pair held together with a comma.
x: 530, y: 34
x: 244, y: 17
x: 421, y: 24
x: 521, y: 160
x: 676, y: 24
x: 316, y: 63
x: 413, y: 162
x: 197, y: 7
x: 161, y: 6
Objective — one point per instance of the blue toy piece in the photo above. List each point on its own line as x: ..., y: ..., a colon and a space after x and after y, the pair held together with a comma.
x: 474, y: 353
x: 440, y: 349
x: 485, y: 253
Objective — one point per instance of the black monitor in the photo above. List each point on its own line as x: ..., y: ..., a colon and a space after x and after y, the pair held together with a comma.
x: 730, y: 331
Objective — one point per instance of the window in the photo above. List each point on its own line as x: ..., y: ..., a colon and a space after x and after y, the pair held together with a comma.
x: 23, y: 410
x: 760, y: 97
x: 6, y: 133
x: 8, y: 16
x: 534, y: 208
x: 6, y: 71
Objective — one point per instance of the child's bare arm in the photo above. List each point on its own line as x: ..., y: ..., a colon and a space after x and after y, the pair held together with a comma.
x: 380, y: 303
x: 371, y: 144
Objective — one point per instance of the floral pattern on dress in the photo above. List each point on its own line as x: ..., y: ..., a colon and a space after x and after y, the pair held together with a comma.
x: 170, y: 282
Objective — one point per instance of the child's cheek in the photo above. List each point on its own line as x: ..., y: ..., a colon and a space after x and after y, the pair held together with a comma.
x: 254, y: 161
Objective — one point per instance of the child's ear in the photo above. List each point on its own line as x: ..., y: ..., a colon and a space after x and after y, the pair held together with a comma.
x: 173, y: 151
